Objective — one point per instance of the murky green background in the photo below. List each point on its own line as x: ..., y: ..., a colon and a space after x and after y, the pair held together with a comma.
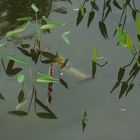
x: 106, y: 121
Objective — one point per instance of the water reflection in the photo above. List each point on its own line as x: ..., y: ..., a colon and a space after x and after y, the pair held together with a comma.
x: 12, y: 10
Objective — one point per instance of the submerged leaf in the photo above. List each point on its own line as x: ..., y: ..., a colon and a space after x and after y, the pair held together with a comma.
x: 94, y: 5
x: 45, y: 115
x: 84, y: 121
x: 65, y: 37
x: 90, y: 18
x: 129, y: 89
x: 1, y: 97
x: 63, y: 83
x: 121, y: 74
x: 80, y: 16
x: 21, y: 96
x: 123, y: 89
x: 18, y: 113
x: 116, y: 4
x: 103, y: 29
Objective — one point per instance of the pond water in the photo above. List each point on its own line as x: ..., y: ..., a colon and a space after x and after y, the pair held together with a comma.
x: 108, y: 117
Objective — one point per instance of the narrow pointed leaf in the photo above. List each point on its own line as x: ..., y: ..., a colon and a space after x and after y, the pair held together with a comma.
x: 94, y: 5
x: 116, y: 4
x: 34, y: 7
x: 121, y: 74
x: 103, y: 29
x: 18, y: 59
x: 123, y: 89
x: 51, y: 26
x: 45, y: 115
x: 129, y: 89
x: 90, y: 18
x: 1, y: 97
x: 21, y: 96
x: 18, y: 113
x: 21, y: 104
x: 63, y: 83
x: 65, y: 37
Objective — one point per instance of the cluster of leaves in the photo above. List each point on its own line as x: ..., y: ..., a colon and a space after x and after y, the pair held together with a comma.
x: 107, y: 9
x: 125, y: 40
x: 36, y: 54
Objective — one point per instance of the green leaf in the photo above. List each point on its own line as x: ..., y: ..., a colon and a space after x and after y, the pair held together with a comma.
x: 20, y: 77
x: 94, y: 56
x: 18, y: 59
x: 80, y: 15
x: 137, y: 24
x: 51, y: 26
x: 17, y: 31
x: 45, y: 78
x: 25, y: 19
x: 121, y: 36
x: 14, y: 32
x: 1, y: 97
x: 34, y: 7
x: 65, y: 37
x: 18, y: 113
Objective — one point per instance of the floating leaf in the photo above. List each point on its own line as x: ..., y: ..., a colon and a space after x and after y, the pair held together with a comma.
x: 1, y: 97
x: 65, y: 36
x: 90, y: 18
x: 18, y: 113
x: 103, y: 29
x: 18, y: 59
x: 63, y: 83
x: 34, y: 7
x: 51, y: 26
x: 20, y: 77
